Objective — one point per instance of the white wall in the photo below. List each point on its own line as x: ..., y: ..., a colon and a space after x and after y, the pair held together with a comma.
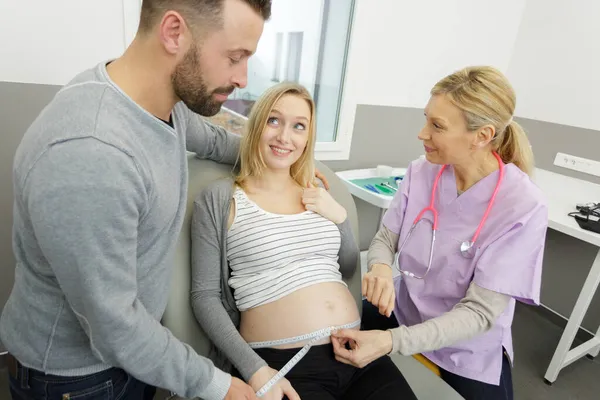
x: 549, y: 50
x: 49, y: 42
x: 400, y: 48
x: 555, y: 67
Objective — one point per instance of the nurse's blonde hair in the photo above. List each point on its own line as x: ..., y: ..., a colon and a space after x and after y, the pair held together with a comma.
x: 251, y: 159
x: 486, y: 98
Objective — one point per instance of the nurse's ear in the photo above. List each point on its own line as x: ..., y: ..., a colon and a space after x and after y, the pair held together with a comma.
x: 484, y: 136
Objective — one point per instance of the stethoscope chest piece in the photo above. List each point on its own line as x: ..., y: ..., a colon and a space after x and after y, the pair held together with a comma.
x: 467, y: 250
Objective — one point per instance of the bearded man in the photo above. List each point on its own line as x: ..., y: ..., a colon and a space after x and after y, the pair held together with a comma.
x: 100, y: 182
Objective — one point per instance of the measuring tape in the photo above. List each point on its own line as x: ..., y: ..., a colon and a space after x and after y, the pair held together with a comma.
x: 313, y: 338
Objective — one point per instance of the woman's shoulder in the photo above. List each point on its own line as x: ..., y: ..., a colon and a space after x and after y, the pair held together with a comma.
x: 421, y: 167
x: 522, y: 184
x: 219, y: 192
x: 522, y: 194
x: 419, y: 176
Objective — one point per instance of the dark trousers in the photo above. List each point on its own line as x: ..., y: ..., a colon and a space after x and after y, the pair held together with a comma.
x: 468, y: 388
x: 112, y: 384
x: 319, y: 376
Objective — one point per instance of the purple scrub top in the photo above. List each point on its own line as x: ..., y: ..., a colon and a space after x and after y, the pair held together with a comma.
x: 507, y: 257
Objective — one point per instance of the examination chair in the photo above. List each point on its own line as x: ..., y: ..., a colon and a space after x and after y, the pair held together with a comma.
x: 180, y: 319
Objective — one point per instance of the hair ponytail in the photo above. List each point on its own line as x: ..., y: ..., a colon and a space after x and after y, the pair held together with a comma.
x: 514, y: 148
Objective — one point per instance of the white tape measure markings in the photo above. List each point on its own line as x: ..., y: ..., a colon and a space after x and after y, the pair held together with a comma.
x: 313, y: 338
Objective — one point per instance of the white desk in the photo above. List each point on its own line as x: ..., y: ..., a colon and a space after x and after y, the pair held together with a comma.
x: 381, y: 201
x: 563, y: 193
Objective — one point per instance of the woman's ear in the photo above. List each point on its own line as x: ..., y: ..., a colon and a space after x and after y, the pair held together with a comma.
x: 484, y: 136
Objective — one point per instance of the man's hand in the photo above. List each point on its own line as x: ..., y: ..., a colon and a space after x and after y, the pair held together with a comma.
x: 282, y: 388
x: 378, y: 288
x: 320, y: 176
x: 240, y: 391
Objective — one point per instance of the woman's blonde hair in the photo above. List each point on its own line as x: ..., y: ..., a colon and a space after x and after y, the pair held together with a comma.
x: 251, y: 159
x: 486, y: 98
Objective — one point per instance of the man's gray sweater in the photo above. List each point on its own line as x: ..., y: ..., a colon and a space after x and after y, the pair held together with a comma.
x: 100, y: 191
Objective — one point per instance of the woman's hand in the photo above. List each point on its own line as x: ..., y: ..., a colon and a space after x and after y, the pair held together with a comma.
x: 365, y: 346
x: 378, y: 288
x: 320, y: 201
x: 239, y: 390
x: 283, y: 387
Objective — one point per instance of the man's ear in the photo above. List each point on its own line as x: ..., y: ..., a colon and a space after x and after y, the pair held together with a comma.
x: 172, y: 32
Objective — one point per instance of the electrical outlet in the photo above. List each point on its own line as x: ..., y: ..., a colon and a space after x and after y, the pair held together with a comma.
x: 577, y: 164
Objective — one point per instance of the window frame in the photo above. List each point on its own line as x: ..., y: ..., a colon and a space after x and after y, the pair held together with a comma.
x: 339, y: 149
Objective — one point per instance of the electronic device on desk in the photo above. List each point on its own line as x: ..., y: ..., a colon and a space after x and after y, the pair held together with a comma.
x: 587, y: 216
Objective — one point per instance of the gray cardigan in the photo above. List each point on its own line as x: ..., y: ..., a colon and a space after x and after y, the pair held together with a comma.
x: 212, y: 299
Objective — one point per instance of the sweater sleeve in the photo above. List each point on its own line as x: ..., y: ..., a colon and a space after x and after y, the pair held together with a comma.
x: 473, y: 315
x: 210, y: 141
x: 206, y: 286
x: 383, y: 248
x: 85, y: 199
x: 348, y: 255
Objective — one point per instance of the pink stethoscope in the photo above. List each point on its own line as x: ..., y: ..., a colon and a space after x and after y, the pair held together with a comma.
x: 465, y: 247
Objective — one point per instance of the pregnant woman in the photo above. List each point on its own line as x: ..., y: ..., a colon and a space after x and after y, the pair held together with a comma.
x: 270, y: 249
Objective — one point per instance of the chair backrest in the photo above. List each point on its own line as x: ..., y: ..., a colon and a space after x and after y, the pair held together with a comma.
x: 179, y: 317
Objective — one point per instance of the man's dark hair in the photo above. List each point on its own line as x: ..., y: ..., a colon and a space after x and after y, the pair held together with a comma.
x: 208, y: 12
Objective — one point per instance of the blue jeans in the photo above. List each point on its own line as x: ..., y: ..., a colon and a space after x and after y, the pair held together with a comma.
x: 112, y: 384
x: 470, y: 389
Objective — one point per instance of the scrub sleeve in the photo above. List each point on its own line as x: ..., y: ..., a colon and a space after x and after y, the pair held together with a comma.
x: 512, y: 264
x: 394, y: 216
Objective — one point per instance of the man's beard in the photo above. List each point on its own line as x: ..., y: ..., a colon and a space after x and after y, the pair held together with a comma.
x: 189, y: 86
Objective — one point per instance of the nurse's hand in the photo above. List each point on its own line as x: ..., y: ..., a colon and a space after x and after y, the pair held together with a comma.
x: 365, y: 346
x: 378, y: 288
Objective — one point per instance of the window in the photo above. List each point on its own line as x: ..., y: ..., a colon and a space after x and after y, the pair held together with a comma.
x: 306, y: 42
x: 278, y: 57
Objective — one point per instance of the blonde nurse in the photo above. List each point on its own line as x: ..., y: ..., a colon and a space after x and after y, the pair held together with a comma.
x: 455, y: 297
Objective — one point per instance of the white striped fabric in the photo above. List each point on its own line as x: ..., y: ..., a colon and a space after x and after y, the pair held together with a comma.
x: 272, y: 255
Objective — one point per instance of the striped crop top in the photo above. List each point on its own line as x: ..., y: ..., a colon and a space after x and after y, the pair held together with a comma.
x: 272, y: 255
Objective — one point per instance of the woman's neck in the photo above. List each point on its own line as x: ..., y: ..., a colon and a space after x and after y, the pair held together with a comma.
x: 273, y: 181
x: 472, y: 171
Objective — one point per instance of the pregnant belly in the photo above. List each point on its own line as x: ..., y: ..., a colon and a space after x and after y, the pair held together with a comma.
x: 303, y: 311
